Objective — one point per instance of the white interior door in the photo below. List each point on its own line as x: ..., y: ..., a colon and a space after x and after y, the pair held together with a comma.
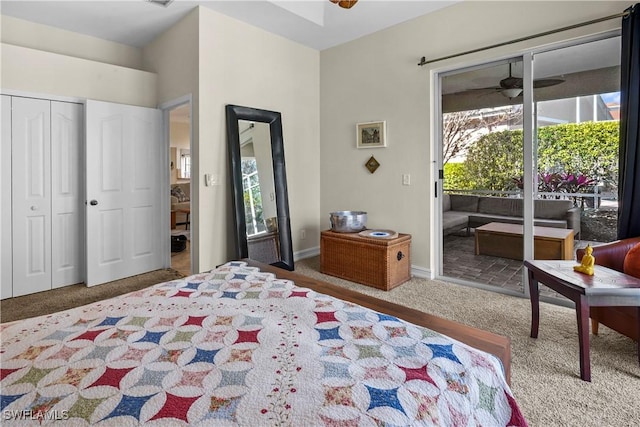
x: 123, y: 160
x: 67, y: 179
x: 31, y: 195
x: 5, y: 201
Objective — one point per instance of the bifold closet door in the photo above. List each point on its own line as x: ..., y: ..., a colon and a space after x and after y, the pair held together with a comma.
x: 47, y: 195
x: 5, y: 201
x: 67, y: 194
x: 31, y: 195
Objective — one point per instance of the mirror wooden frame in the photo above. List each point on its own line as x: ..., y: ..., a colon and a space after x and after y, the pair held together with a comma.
x: 274, y: 119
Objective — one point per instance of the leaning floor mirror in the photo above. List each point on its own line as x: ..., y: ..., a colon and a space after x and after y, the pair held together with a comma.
x: 259, y: 186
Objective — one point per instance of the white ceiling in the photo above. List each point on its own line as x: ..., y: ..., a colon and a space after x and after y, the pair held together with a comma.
x: 319, y: 24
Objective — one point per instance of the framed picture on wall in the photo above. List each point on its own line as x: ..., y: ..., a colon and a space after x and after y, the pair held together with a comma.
x: 371, y: 135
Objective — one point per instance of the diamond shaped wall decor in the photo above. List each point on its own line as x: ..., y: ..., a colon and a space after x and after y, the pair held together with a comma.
x: 372, y: 164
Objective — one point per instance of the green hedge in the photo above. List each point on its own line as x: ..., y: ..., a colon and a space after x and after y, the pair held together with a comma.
x: 492, y: 163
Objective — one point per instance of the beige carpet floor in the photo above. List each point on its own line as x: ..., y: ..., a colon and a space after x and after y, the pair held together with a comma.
x: 48, y: 302
x: 545, y: 371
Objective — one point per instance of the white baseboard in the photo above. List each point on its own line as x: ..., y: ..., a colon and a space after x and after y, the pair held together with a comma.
x: 306, y: 253
x: 423, y: 273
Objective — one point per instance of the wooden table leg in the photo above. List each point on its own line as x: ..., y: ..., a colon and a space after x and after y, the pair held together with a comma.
x: 534, y: 296
x: 582, y: 312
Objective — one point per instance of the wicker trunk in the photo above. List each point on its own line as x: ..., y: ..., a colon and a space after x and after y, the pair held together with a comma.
x: 376, y: 262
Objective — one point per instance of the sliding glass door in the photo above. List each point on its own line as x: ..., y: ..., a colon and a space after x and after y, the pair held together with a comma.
x: 482, y: 166
x: 513, y: 188
x: 577, y: 119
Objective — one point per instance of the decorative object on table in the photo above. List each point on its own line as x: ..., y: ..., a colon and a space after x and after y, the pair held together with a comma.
x: 587, y: 262
x: 372, y: 164
x: 371, y: 135
x: 348, y: 221
x: 379, y: 234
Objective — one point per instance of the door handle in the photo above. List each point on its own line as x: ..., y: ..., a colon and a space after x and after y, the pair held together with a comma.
x: 34, y: 208
x: 93, y: 202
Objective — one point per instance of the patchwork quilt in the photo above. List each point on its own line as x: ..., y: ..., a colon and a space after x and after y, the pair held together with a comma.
x: 240, y: 347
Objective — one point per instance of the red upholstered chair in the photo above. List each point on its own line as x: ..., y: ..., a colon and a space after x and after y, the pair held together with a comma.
x: 621, y: 319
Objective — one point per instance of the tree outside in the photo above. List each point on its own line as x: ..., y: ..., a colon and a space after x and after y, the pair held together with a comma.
x: 571, y: 158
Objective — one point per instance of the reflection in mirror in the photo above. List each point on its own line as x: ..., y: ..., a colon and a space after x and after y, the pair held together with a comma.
x: 259, y: 186
x: 258, y: 191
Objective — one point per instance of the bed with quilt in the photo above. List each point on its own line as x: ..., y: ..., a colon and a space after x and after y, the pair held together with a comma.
x: 244, y: 345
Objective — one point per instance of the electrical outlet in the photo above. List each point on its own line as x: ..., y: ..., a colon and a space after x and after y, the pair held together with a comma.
x: 303, y: 234
x: 406, y: 179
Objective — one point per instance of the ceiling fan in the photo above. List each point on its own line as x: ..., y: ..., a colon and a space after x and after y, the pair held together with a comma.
x: 346, y: 4
x: 512, y: 86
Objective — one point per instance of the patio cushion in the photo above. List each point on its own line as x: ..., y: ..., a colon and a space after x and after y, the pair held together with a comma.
x: 551, y: 208
x: 455, y: 220
x: 500, y: 206
x: 464, y: 202
x: 478, y: 219
x: 555, y: 223
x: 481, y: 210
x: 446, y: 203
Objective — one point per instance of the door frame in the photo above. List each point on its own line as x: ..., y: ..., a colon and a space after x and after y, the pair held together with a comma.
x: 165, y: 201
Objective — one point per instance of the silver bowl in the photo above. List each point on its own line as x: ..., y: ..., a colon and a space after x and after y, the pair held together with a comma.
x: 348, y: 221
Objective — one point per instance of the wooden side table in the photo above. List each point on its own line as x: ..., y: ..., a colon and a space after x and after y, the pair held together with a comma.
x: 186, y: 222
x: 376, y: 262
x: 605, y: 288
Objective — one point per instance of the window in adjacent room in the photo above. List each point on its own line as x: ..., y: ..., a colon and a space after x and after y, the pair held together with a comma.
x: 185, y: 164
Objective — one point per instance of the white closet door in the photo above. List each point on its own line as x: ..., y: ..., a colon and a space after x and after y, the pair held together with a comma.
x: 67, y: 208
x: 31, y: 195
x: 5, y: 201
x: 123, y: 161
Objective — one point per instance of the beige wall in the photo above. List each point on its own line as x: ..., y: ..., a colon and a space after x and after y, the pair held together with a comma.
x: 173, y: 56
x: 44, y: 73
x: 376, y: 78
x: 244, y: 65
x: 44, y: 60
x: 179, y: 135
x: 23, y: 33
